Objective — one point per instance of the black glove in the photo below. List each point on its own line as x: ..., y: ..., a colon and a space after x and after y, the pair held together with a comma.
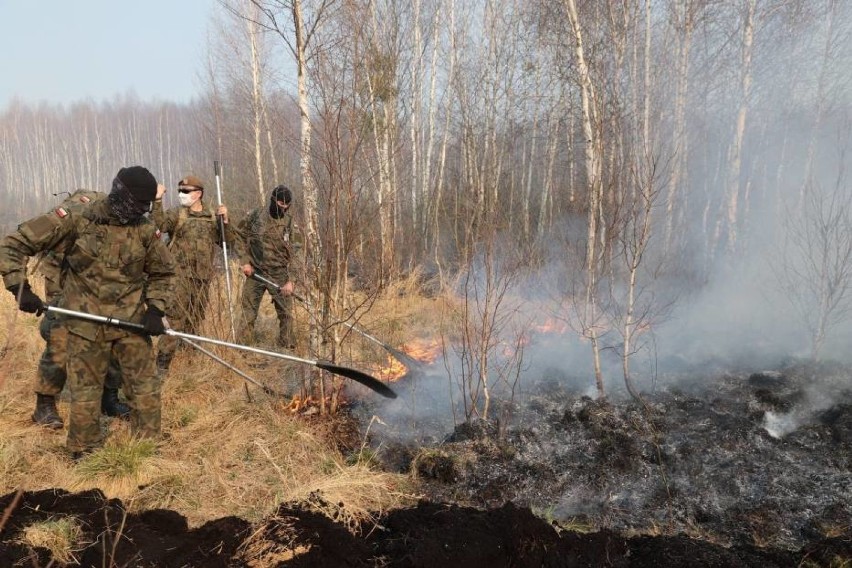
x: 29, y: 302
x: 153, y: 321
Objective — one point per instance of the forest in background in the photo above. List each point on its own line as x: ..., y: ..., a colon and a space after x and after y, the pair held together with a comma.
x: 631, y: 150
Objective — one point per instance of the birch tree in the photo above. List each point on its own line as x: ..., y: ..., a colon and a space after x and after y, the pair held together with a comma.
x: 735, y: 149
x: 382, y: 91
x: 593, y: 168
x: 814, y: 265
x: 684, y: 15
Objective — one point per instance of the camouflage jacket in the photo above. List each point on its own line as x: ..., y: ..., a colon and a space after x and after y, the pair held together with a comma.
x: 50, y: 264
x: 265, y: 242
x: 108, y: 269
x: 193, y: 238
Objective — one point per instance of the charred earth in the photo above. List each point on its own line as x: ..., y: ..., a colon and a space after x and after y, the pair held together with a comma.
x: 744, y: 469
x: 747, y: 458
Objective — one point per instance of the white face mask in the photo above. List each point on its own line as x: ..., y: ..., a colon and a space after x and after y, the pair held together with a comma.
x: 187, y: 199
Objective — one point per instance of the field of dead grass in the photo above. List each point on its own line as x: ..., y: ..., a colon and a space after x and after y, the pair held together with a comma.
x: 226, y: 449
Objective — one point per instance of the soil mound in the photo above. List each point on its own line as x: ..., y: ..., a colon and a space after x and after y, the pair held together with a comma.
x: 427, y: 535
x: 151, y: 538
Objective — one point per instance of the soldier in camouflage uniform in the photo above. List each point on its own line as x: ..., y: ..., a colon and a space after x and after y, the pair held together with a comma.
x: 265, y: 236
x: 114, y: 264
x: 51, y: 365
x: 193, y: 237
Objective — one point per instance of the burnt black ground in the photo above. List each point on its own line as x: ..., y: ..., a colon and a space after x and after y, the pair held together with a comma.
x: 741, y: 469
x: 735, y: 458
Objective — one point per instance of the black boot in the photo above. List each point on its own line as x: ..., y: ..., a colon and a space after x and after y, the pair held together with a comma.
x: 111, y: 406
x: 45, y: 412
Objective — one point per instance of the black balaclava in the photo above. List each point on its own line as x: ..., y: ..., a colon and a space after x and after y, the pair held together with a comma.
x: 133, y: 192
x: 280, y: 193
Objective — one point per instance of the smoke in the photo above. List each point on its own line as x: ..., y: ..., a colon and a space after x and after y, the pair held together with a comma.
x: 708, y: 307
x: 739, y: 318
x: 779, y: 425
x: 813, y: 402
x: 739, y: 321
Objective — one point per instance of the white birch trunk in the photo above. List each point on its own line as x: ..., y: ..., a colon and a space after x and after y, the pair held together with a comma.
x: 430, y: 141
x: 256, y: 104
x: 547, y: 192
x: 736, y: 148
x: 414, y: 126
x: 593, y: 173
x: 442, y: 161
x: 679, y: 128
x: 309, y: 189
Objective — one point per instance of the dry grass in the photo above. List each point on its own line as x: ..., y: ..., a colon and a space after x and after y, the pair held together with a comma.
x: 401, y: 315
x: 221, y: 454
x: 62, y: 536
x: 263, y: 549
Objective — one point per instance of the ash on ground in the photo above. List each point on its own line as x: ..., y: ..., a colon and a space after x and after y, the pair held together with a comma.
x: 756, y: 457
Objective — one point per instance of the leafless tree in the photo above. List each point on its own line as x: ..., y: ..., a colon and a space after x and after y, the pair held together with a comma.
x: 634, y: 305
x: 814, y: 265
x: 492, y: 331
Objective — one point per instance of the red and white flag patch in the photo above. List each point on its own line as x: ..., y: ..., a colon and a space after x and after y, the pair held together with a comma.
x: 157, y: 234
x: 61, y: 212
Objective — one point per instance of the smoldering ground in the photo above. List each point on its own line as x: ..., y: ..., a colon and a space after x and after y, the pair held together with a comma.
x: 739, y: 437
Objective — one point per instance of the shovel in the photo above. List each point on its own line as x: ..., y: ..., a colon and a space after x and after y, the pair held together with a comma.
x: 406, y: 360
x: 372, y: 383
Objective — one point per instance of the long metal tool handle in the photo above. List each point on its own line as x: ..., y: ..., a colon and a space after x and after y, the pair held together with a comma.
x: 269, y: 282
x: 403, y: 358
x: 215, y: 357
x: 221, y: 222
x: 348, y: 372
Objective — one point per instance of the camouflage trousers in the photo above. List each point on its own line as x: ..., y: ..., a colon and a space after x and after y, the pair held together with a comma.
x: 51, y: 365
x: 87, y: 366
x: 250, y: 304
x: 191, y: 298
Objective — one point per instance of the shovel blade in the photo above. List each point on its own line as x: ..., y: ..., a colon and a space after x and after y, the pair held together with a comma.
x: 372, y: 383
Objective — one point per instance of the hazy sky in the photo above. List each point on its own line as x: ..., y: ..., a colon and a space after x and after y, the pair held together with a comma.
x: 61, y: 51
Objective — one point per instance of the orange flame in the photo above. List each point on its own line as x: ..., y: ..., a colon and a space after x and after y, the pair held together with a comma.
x: 393, y: 371
x: 551, y: 325
x: 425, y: 350
x: 299, y: 405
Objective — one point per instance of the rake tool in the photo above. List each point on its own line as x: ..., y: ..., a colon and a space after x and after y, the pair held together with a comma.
x: 368, y: 381
x: 403, y: 358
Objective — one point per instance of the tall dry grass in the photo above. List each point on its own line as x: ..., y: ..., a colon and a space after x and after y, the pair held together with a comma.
x: 226, y: 449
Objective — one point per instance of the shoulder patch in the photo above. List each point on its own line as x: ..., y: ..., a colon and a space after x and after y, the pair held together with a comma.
x: 157, y: 234
x: 61, y: 212
x: 84, y: 199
